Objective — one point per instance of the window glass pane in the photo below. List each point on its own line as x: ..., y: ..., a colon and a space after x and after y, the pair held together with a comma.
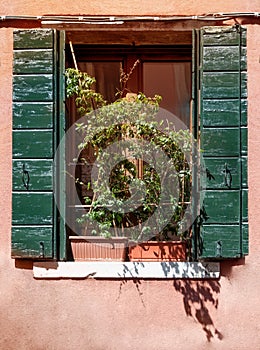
x: 171, y: 80
x: 107, y: 76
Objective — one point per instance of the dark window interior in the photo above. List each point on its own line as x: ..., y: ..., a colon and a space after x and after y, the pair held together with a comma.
x: 162, y: 70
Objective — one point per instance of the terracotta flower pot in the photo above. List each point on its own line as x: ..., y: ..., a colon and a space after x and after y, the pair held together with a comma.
x: 158, y: 251
x: 85, y: 248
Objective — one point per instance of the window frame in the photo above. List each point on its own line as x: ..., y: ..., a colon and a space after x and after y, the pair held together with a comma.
x: 62, y: 241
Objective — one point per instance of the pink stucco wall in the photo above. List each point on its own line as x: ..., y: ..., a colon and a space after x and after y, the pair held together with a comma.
x: 121, y: 7
x: 104, y: 315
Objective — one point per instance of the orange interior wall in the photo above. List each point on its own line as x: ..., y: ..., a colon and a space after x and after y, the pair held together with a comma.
x: 113, y: 315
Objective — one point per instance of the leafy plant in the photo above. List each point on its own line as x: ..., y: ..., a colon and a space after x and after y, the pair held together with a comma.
x: 79, y: 84
x: 130, y: 120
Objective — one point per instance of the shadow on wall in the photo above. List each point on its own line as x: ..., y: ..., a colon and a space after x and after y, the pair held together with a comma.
x: 197, y: 295
x: 198, y: 298
x: 228, y: 266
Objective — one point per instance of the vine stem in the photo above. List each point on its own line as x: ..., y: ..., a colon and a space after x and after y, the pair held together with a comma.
x: 73, y: 55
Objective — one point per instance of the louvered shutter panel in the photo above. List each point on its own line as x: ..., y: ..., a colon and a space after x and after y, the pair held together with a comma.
x: 35, y: 110
x: 223, y: 141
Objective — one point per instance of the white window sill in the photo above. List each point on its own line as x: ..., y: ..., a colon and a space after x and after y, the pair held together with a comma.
x: 126, y: 270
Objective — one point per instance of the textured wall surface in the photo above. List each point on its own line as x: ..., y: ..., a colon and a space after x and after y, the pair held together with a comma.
x: 113, y: 315
x: 121, y: 7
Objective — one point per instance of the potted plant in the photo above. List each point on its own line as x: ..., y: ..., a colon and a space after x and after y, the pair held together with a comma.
x: 128, y: 147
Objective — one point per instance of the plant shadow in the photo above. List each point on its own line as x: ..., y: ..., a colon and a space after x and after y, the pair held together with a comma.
x: 136, y: 282
x: 198, y: 297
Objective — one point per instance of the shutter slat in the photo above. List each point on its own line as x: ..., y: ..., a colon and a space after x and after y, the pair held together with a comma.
x: 33, y: 87
x: 243, y: 85
x: 33, y: 144
x: 221, y: 58
x: 223, y: 120
x: 243, y: 59
x: 221, y: 112
x: 219, y: 36
x: 34, y: 39
x: 243, y: 112
x: 222, y: 207
x: 220, y: 85
x: 32, y: 208
x: 33, y: 242
x: 244, y: 205
x: 31, y: 115
x: 216, y: 169
x: 244, y: 141
x: 33, y: 61
x: 221, y: 241
x: 40, y: 174
x: 220, y: 142
x: 244, y: 161
x: 245, y: 240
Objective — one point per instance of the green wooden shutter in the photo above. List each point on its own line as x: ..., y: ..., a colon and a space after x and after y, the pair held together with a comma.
x: 35, y: 130
x: 222, y: 113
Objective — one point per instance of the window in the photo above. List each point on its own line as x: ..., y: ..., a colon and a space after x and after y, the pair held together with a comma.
x: 164, y: 70
x: 219, y: 109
